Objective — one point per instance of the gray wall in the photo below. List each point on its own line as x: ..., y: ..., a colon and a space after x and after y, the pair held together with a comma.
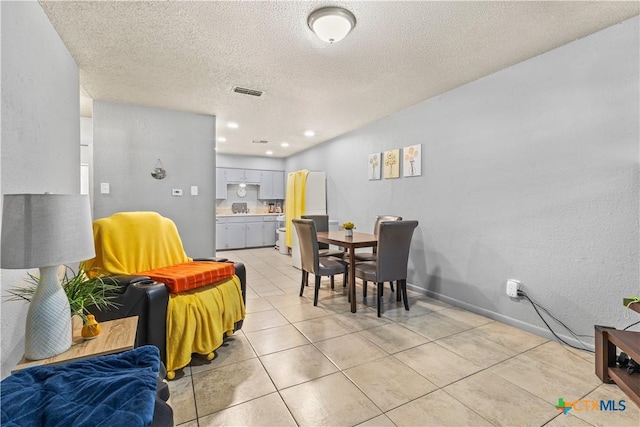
x: 40, y: 133
x: 127, y: 142
x: 530, y: 173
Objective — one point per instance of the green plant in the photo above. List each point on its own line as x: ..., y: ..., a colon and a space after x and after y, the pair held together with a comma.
x: 83, y: 291
x: 348, y: 225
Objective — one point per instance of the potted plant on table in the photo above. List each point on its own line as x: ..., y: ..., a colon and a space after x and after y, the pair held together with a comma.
x: 84, y: 292
x: 348, y: 228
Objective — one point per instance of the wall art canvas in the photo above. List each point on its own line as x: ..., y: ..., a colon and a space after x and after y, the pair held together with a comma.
x: 375, y: 166
x: 391, y: 162
x: 411, y: 160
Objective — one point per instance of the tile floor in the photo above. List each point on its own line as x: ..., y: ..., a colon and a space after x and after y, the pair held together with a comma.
x: 436, y: 365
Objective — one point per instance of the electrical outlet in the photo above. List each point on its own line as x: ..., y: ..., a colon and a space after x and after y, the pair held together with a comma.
x: 176, y: 192
x: 513, y: 286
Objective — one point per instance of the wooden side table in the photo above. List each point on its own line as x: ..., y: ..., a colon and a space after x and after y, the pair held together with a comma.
x: 117, y: 336
x: 607, y: 341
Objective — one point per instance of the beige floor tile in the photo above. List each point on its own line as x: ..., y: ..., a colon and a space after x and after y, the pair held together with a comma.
x: 298, y: 313
x: 568, y: 420
x: 395, y: 310
x: 235, y: 348
x: 280, y: 301
x: 192, y: 423
x: 437, y: 364
x: 297, y: 365
x: 429, y: 303
x: 393, y: 338
x: 476, y: 349
x: 259, y: 304
x: 467, y: 317
x: 630, y: 416
x: 181, y: 400
x: 276, y: 339
x: 263, y: 320
x: 379, y: 421
x: 510, y: 337
x: 389, y: 383
x: 350, y: 350
x: 562, y: 357
x: 271, y: 292
x: 436, y: 409
x: 434, y: 325
x: 545, y: 381
x: 230, y: 385
x: 265, y: 411
x: 323, y: 328
x: 363, y: 319
x: 329, y: 401
x: 500, y: 402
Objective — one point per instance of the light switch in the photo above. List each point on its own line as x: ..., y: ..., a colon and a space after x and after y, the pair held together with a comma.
x: 176, y: 192
x: 194, y: 190
x: 104, y: 188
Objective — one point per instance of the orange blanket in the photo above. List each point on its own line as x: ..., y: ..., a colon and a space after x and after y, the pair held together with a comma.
x: 190, y: 275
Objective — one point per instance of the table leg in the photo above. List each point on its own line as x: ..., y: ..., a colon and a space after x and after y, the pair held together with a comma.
x: 352, y: 278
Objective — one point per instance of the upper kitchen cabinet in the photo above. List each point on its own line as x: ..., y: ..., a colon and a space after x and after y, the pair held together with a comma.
x: 243, y: 176
x: 272, y: 186
x: 221, y: 183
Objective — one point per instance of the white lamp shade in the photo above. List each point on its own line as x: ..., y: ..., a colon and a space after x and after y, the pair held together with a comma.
x: 42, y: 230
x: 331, y: 24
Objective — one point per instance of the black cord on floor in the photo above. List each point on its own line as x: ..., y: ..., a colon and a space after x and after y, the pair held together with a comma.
x: 536, y: 306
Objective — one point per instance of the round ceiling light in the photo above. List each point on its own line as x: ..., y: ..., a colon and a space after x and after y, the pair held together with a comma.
x: 331, y: 24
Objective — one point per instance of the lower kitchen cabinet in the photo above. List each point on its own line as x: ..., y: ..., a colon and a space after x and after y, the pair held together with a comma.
x: 237, y: 232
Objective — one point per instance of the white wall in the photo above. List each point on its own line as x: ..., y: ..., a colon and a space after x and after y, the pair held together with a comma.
x: 40, y: 132
x: 249, y: 162
x: 530, y: 173
x: 127, y: 142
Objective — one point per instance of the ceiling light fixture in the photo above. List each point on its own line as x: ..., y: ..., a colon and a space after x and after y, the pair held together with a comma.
x: 309, y: 133
x: 331, y: 24
x: 232, y: 125
x: 222, y: 139
x: 284, y: 144
x: 269, y: 152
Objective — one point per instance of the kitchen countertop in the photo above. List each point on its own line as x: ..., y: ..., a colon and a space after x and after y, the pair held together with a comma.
x: 249, y: 214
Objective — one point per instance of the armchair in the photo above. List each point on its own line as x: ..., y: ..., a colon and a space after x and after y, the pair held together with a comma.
x: 178, y: 312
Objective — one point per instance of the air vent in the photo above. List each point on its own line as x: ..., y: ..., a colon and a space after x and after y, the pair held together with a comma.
x: 260, y: 141
x: 246, y: 91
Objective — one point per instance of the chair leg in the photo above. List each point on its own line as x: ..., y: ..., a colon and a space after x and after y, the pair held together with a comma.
x: 364, y: 288
x: 302, y: 283
x: 346, y: 278
x: 316, y: 291
x: 404, y: 294
x: 379, y: 297
x: 391, y: 285
x: 306, y: 278
x: 332, y: 282
x: 398, y: 296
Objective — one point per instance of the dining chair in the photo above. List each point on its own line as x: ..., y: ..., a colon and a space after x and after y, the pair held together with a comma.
x: 392, y: 257
x: 311, y: 260
x: 322, y: 224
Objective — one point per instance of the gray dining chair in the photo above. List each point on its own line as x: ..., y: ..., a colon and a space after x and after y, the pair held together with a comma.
x: 311, y: 261
x: 322, y: 224
x: 371, y: 256
x: 392, y: 257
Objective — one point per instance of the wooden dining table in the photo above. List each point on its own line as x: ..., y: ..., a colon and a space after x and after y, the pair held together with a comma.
x: 358, y: 240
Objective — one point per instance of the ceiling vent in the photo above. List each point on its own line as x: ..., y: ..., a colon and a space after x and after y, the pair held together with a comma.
x: 260, y: 141
x: 246, y: 91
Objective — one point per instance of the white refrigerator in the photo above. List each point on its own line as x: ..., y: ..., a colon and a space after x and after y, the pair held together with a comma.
x: 315, y: 194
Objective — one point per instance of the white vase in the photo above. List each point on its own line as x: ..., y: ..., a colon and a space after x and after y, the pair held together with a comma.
x: 348, y: 233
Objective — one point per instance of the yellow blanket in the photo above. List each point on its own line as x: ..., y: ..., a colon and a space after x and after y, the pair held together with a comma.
x: 296, y: 182
x: 198, y: 320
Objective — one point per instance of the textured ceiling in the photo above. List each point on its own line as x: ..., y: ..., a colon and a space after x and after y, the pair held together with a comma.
x: 189, y: 56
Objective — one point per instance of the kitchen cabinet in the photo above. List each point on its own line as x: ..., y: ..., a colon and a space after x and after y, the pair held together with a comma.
x: 245, y: 231
x: 272, y: 186
x: 221, y: 183
x: 246, y: 176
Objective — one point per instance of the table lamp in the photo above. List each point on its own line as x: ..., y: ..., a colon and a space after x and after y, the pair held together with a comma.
x: 46, y: 231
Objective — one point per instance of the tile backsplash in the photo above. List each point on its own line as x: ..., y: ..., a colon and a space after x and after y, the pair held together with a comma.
x: 254, y: 205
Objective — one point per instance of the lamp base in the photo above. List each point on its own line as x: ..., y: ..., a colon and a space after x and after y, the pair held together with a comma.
x: 48, y: 329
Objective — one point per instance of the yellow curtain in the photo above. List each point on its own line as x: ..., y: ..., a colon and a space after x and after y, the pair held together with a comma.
x: 296, y: 183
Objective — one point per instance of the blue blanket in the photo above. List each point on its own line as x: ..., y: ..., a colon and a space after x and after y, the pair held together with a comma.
x: 114, y: 390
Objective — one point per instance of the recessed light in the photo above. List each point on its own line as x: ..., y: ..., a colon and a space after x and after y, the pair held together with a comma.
x: 232, y: 125
x: 222, y: 139
x: 309, y: 133
x: 268, y: 152
x: 284, y: 144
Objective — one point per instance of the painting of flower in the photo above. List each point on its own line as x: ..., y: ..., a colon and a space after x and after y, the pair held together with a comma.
x: 392, y: 163
x: 374, y: 166
x: 412, y: 164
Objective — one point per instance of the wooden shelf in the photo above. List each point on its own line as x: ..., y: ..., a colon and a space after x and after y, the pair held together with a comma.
x: 608, y: 340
